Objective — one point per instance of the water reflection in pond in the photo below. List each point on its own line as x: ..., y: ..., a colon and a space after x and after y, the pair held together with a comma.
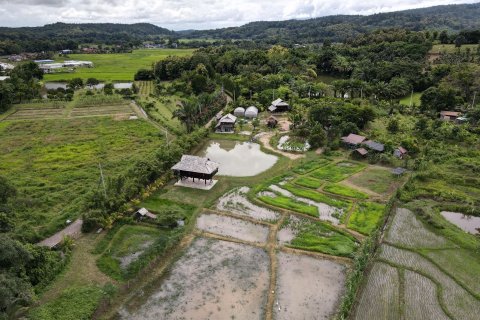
x: 467, y: 223
x: 238, y: 159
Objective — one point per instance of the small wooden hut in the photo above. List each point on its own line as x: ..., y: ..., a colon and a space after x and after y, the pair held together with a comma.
x: 195, y: 167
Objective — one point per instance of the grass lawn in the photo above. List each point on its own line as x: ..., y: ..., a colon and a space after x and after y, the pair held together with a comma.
x: 366, y: 217
x: 321, y: 237
x: 308, y: 182
x: 379, y: 180
x: 53, y: 163
x: 415, y: 99
x: 339, y: 189
x: 337, y: 171
x: 310, y: 166
x: 134, y: 245
x: 74, y: 303
x: 116, y: 66
x: 159, y: 205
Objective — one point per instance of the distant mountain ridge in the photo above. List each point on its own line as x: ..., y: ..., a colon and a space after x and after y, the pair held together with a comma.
x: 61, y: 29
x: 341, y: 27
x: 336, y: 28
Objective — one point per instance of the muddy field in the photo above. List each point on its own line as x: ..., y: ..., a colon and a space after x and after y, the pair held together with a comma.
x: 237, y: 202
x: 239, y: 291
x: 307, y: 288
x: 231, y: 227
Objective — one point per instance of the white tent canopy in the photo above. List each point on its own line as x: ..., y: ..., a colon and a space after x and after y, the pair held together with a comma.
x: 251, y: 112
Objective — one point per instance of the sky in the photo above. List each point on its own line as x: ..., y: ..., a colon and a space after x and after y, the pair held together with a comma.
x: 191, y: 14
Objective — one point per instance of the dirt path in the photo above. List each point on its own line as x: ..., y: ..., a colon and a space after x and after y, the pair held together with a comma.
x: 82, y: 270
x: 214, y: 118
x: 72, y: 230
x: 265, y: 140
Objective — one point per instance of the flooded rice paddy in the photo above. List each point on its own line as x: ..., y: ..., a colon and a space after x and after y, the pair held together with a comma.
x: 327, y: 213
x: 307, y: 288
x: 236, y: 202
x: 238, y: 159
x: 231, y: 227
x: 213, y: 280
x: 467, y: 223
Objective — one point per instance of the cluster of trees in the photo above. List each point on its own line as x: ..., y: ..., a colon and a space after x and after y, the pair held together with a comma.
x: 24, y: 268
x: 22, y: 85
x: 198, y: 111
x: 59, y: 36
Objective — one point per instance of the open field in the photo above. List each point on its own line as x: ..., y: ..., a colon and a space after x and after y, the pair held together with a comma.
x: 116, y: 66
x: 53, y: 163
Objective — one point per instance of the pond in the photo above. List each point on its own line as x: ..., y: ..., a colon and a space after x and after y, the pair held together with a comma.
x: 238, y: 159
x: 55, y: 85
x: 465, y: 222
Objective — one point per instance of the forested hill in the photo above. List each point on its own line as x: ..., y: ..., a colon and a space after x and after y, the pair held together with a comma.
x: 66, y: 35
x: 342, y: 27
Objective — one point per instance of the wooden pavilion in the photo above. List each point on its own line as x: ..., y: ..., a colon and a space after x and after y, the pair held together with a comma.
x: 195, y: 167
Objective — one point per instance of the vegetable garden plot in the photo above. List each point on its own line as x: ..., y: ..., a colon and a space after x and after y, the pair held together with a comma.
x: 213, y: 280
x: 458, y: 302
x: 308, y: 182
x: 307, y: 288
x: 421, y: 298
x: 338, y: 171
x: 33, y: 114
x: 406, y: 230
x: 101, y: 111
x: 310, y: 166
x: 345, y: 191
x: 380, y: 298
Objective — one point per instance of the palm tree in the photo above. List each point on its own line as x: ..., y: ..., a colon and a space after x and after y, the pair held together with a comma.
x: 187, y: 114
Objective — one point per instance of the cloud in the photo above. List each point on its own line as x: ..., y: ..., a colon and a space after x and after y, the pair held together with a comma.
x: 187, y: 14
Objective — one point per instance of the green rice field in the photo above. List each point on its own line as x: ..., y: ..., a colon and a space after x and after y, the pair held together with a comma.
x: 116, y: 66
